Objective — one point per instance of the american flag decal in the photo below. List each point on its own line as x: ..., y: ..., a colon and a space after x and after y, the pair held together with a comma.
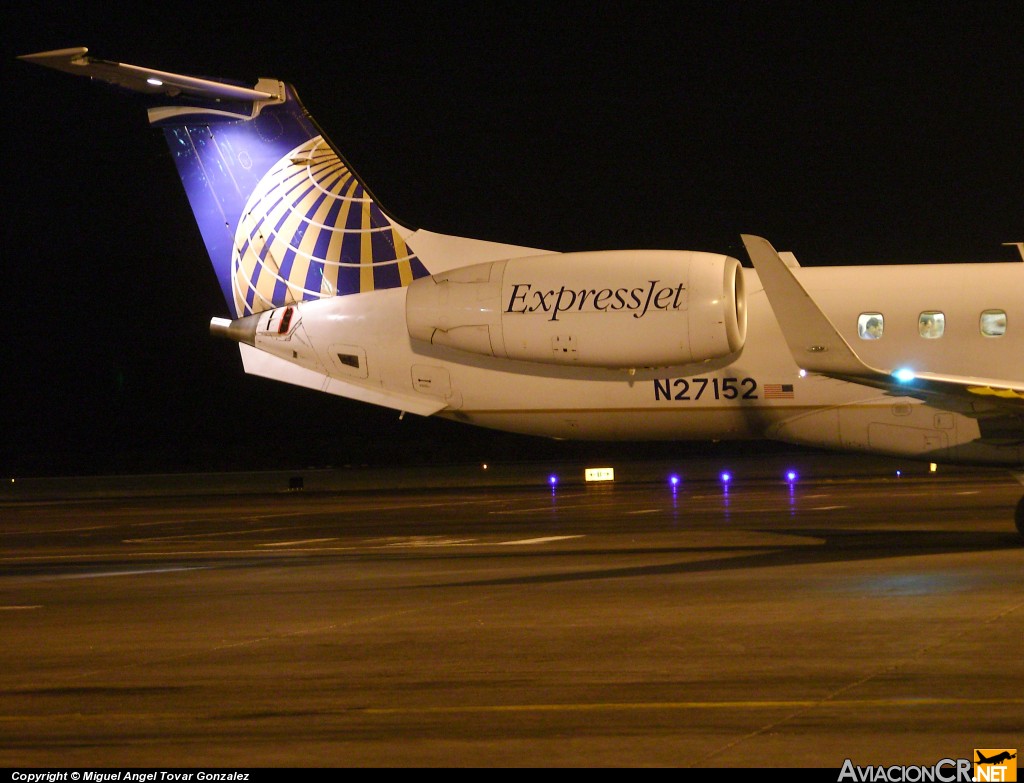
x: 778, y: 391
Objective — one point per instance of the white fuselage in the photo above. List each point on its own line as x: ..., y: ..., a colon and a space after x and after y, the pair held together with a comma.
x: 755, y: 392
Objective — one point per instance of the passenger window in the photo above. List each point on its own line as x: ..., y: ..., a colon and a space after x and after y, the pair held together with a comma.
x: 993, y: 323
x: 869, y: 326
x: 931, y: 324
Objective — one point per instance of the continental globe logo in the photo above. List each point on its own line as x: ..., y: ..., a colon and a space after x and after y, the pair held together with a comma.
x: 309, y: 231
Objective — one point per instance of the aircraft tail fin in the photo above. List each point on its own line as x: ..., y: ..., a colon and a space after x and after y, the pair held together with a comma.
x: 283, y: 217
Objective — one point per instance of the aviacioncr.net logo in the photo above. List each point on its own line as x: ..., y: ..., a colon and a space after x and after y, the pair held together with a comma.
x: 995, y: 765
x: 943, y: 771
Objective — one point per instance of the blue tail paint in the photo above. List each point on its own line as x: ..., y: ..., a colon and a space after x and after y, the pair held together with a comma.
x: 283, y: 217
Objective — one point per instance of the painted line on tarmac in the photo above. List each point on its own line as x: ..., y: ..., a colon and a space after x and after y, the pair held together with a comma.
x: 135, y: 572
x: 531, y: 541
x: 783, y: 704
x: 304, y: 541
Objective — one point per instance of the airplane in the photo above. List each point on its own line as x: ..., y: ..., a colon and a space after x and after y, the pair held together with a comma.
x: 996, y: 759
x: 326, y: 290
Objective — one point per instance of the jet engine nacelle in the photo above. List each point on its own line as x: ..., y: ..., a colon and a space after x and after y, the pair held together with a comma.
x: 618, y: 309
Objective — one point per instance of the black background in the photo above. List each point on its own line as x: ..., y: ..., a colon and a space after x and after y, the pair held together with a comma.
x: 848, y: 133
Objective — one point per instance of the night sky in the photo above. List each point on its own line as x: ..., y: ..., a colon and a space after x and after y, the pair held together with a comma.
x: 847, y: 133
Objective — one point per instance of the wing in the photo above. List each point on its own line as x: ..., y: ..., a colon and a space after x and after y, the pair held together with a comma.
x: 818, y: 347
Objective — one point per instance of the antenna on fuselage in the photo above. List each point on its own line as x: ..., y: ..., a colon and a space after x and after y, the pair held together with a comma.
x: 1018, y: 245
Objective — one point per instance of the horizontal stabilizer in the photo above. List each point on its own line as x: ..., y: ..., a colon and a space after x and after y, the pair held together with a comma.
x: 145, y: 80
x: 283, y: 217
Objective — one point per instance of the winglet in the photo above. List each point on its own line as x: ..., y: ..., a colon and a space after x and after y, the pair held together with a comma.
x: 812, y: 338
x: 789, y: 259
x: 818, y: 347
